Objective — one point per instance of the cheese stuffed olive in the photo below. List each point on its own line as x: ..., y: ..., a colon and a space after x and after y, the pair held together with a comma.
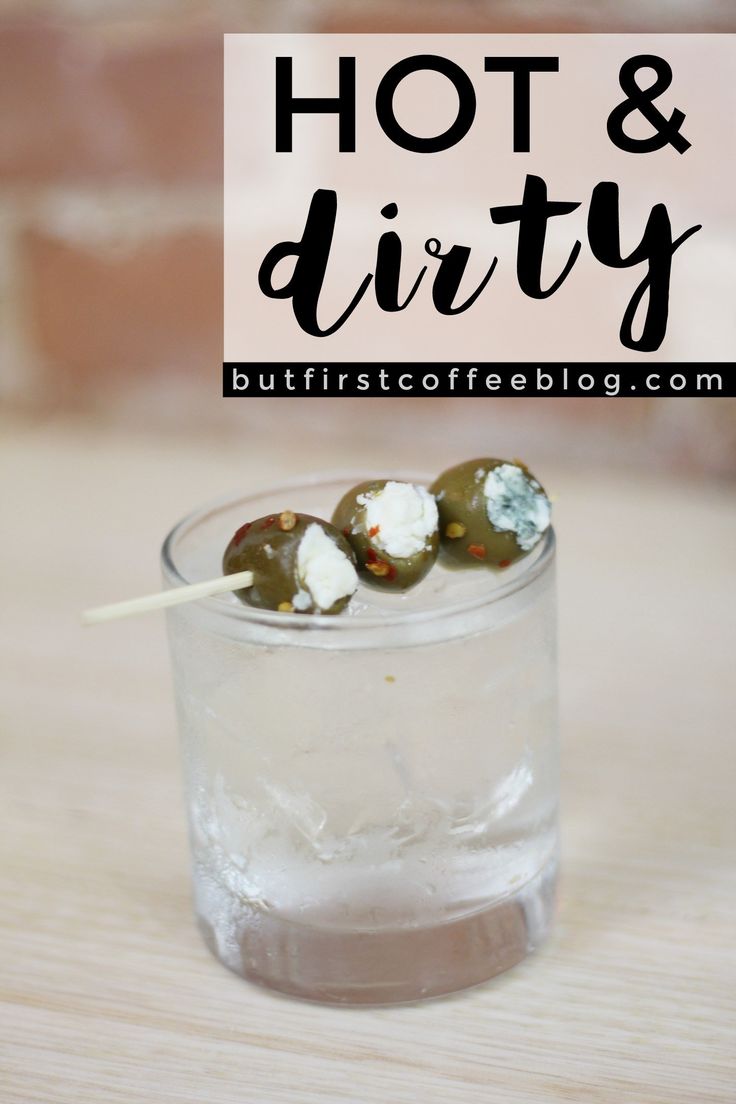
x: 393, y: 530
x: 300, y: 564
x: 491, y: 512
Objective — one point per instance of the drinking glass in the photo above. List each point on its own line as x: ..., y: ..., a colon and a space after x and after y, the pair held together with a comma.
x: 372, y: 796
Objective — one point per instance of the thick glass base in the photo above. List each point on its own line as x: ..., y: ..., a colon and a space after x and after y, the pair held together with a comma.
x: 369, y: 965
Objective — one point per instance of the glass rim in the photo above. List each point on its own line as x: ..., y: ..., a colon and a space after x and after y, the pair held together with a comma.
x: 300, y: 622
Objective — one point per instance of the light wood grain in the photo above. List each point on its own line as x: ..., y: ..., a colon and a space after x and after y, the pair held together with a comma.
x: 107, y: 995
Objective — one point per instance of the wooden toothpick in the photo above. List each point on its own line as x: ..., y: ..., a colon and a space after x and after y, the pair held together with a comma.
x: 166, y: 598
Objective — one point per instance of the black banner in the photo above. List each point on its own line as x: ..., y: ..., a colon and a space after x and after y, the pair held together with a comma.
x: 475, y: 379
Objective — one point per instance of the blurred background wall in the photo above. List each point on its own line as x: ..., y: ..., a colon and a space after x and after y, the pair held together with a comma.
x: 110, y: 209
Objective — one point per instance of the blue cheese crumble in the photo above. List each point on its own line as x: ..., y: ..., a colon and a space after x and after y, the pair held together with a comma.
x: 516, y: 503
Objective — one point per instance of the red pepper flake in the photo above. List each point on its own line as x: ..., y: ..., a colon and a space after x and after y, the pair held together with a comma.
x: 371, y: 556
x: 382, y: 570
x: 374, y: 530
x: 242, y: 532
x: 346, y: 531
x: 268, y: 522
x: 504, y: 563
x: 477, y: 550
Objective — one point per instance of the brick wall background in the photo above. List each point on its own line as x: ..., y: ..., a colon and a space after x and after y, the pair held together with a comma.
x: 110, y: 258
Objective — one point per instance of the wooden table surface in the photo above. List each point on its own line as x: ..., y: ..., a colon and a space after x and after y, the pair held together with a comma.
x: 107, y: 993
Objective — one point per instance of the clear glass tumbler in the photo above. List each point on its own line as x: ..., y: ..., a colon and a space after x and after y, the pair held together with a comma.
x: 372, y: 796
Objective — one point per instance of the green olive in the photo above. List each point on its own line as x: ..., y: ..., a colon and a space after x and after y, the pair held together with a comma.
x: 393, y: 530
x: 491, y: 511
x: 296, y: 567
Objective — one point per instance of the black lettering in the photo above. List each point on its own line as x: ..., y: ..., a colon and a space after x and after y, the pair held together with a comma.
x: 522, y: 68
x: 385, y: 103
x: 287, y: 105
x: 656, y: 247
x: 451, y: 271
x: 532, y: 215
x: 312, y: 254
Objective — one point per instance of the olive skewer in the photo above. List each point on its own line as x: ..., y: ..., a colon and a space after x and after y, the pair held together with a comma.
x: 174, y: 597
x: 288, y: 562
x: 487, y: 511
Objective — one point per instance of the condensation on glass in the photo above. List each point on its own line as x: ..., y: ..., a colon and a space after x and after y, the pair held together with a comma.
x: 372, y: 797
